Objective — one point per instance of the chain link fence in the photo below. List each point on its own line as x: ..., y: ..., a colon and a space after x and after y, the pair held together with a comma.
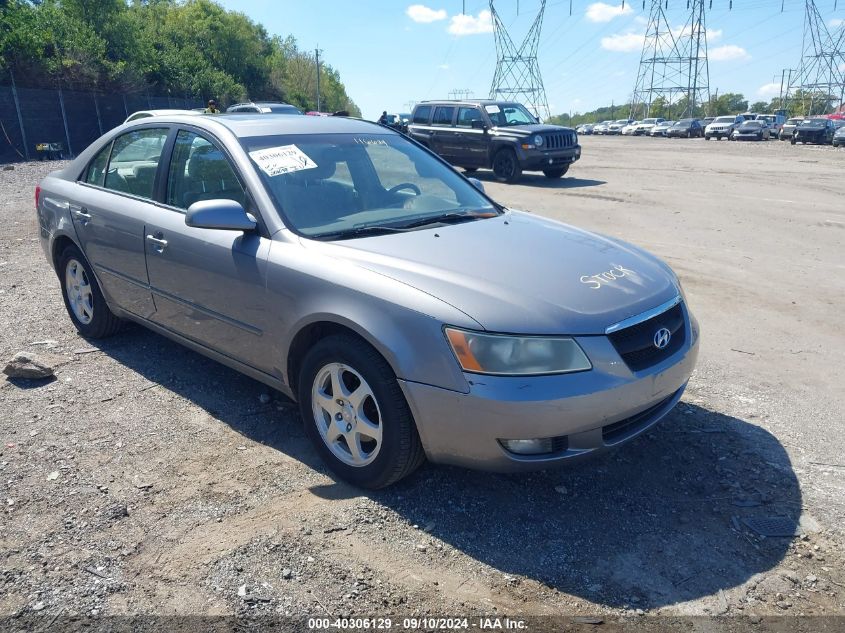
x: 38, y: 123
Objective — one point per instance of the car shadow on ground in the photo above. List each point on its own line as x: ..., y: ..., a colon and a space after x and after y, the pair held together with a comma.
x: 539, y: 180
x: 658, y: 522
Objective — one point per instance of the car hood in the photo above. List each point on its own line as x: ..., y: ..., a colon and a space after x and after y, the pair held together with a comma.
x: 528, y: 130
x: 518, y: 273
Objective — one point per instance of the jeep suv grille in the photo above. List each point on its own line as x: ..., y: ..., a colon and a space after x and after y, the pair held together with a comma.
x: 560, y: 140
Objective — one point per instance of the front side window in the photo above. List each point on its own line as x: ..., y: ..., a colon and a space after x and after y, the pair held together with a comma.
x: 96, y: 172
x: 443, y: 115
x: 200, y: 171
x: 134, y: 161
x: 467, y: 115
x: 335, y: 186
x: 513, y: 114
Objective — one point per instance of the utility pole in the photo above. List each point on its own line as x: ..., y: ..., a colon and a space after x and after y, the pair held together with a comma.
x: 673, y: 63
x: 517, y: 76
x: 317, y: 57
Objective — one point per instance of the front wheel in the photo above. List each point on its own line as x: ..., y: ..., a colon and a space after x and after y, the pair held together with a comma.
x: 83, y: 298
x: 793, y: 140
x: 555, y: 173
x: 355, y: 413
x: 506, y: 166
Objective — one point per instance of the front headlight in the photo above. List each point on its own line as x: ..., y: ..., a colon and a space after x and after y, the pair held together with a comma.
x: 507, y: 355
x: 538, y: 141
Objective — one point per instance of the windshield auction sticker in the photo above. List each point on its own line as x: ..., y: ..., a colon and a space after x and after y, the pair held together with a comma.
x: 492, y: 109
x: 275, y: 161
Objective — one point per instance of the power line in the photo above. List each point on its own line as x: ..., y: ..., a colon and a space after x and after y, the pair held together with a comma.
x: 517, y: 76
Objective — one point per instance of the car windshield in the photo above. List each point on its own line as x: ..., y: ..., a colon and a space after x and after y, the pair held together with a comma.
x: 684, y: 123
x: 752, y: 124
x: 504, y: 114
x: 280, y: 109
x: 725, y: 119
x: 649, y: 121
x: 336, y: 186
x: 814, y: 123
x: 794, y: 121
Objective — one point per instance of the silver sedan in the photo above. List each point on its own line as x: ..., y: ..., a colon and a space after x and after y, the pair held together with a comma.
x: 409, y: 314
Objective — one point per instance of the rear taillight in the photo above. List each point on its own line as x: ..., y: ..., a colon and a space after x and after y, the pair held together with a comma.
x: 37, y: 196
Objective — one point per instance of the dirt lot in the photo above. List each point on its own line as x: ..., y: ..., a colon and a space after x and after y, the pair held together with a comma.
x: 148, y: 479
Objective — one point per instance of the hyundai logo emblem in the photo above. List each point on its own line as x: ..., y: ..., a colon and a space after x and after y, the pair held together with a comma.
x: 662, y: 337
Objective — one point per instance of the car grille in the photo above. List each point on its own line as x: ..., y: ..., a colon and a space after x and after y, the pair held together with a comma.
x: 617, y: 431
x: 559, y: 141
x: 635, y: 344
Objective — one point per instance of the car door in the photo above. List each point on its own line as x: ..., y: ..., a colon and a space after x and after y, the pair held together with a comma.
x: 113, y: 204
x: 443, y: 132
x: 208, y: 284
x: 471, y: 141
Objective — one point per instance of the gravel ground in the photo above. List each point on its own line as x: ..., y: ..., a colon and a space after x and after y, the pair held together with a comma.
x: 146, y: 479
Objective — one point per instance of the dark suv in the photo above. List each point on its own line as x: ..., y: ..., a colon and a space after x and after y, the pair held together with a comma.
x: 500, y: 135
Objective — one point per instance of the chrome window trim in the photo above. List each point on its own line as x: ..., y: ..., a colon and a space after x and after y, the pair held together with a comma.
x: 643, y: 316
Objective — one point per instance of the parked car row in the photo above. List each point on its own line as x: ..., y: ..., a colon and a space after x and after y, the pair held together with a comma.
x: 748, y: 126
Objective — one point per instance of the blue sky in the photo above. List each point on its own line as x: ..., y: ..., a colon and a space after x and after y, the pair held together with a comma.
x: 390, y: 52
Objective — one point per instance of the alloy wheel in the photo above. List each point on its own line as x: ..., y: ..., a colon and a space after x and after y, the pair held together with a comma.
x: 346, y: 414
x: 79, y: 291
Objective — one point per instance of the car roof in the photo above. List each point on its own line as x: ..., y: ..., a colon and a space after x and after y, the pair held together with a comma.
x: 473, y: 102
x: 254, y: 124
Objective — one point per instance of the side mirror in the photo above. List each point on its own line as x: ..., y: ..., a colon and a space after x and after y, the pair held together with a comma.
x: 478, y: 124
x: 227, y: 215
x: 477, y: 184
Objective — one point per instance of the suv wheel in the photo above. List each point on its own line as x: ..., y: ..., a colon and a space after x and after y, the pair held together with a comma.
x: 506, y: 166
x: 83, y: 298
x: 355, y: 413
x: 555, y: 173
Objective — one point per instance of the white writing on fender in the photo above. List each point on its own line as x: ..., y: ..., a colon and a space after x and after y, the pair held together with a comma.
x: 597, y: 281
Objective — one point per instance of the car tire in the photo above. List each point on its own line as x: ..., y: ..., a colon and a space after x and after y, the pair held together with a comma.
x: 793, y: 140
x: 83, y: 298
x: 353, y: 364
x: 506, y: 166
x: 706, y: 138
x: 553, y: 174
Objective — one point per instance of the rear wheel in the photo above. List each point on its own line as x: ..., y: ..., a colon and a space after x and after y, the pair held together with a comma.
x: 355, y: 413
x: 555, y: 173
x: 83, y: 298
x: 506, y: 166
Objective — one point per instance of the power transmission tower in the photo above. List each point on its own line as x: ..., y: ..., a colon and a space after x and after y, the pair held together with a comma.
x: 673, y: 64
x: 460, y: 93
x: 517, y: 76
x: 821, y: 74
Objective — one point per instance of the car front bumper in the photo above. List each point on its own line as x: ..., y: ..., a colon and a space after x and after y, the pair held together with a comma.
x: 585, y: 413
x: 536, y: 160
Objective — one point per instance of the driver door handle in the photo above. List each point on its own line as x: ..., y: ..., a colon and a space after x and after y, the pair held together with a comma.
x: 158, y: 243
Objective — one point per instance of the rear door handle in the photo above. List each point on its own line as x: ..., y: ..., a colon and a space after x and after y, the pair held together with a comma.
x: 158, y: 244
x: 80, y: 213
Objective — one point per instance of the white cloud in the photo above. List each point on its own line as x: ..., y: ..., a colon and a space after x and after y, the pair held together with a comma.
x: 443, y: 66
x: 769, y: 90
x: 423, y: 14
x: 714, y: 34
x: 835, y: 23
x: 623, y: 42
x: 727, y: 53
x: 601, y: 12
x: 471, y: 25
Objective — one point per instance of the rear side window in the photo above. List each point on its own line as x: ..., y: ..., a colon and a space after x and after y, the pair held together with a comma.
x: 422, y: 114
x: 443, y: 115
x: 96, y: 171
x: 134, y: 161
x: 200, y: 171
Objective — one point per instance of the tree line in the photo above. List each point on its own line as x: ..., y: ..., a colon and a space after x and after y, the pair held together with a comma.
x: 800, y: 103
x: 192, y: 48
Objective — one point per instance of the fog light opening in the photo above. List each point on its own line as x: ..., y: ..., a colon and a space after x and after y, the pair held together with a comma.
x: 539, y: 446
